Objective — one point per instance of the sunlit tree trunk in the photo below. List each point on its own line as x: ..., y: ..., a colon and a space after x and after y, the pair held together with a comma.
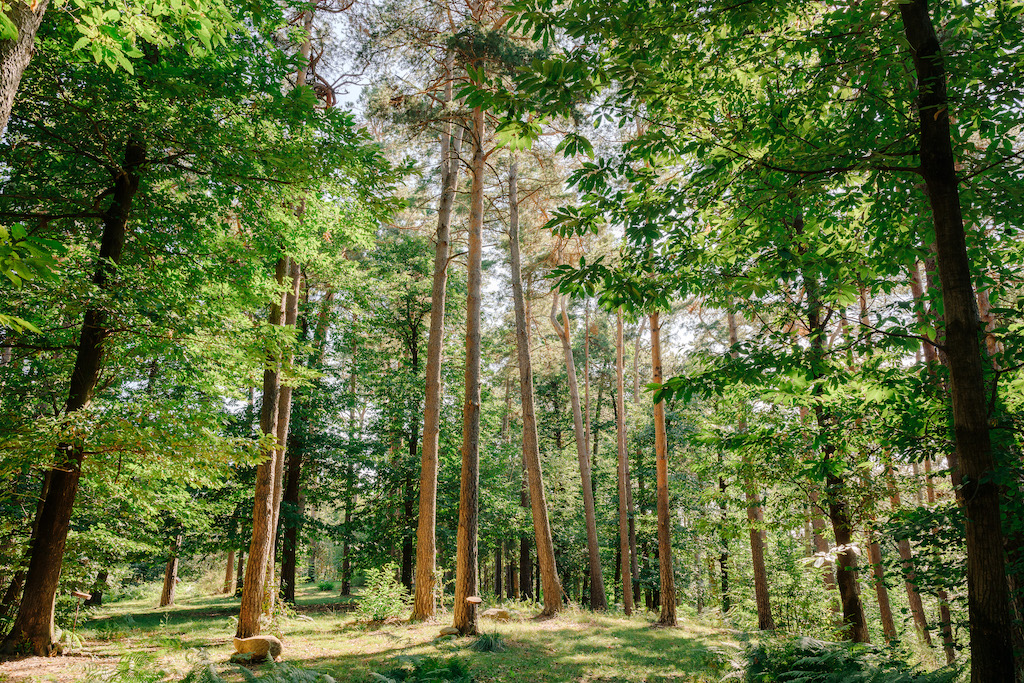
x: 625, y: 574
x: 550, y: 585
x: 466, y: 563
x: 667, y: 593
x: 598, y: 600
x: 171, y: 573
x: 16, y: 54
x: 425, y: 602
x: 263, y: 499
x: 229, y: 575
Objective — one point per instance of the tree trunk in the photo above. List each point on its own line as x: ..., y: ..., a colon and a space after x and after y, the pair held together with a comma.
x: 624, y: 512
x: 881, y: 592
x: 598, y: 600
x: 171, y: 574
x: 425, y: 603
x: 284, y: 413
x: 988, y: 603
x: 498, y: 571
x: 466, y: 580
x: 229, y: 575
x: 910, y: 579
x: 16, y: 54
x: 667, y: 594
x: 550, y: 585
x: 263, y: 499
x: 33, y: 627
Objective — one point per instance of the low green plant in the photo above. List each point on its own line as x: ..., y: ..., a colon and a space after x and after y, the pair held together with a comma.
x: 138, y: 667
x: 489, y: 642
x: 205, y: 672
x: 425, y: 670
x: 325, y: 585
x: 806, y: 660
x: 383, y: 597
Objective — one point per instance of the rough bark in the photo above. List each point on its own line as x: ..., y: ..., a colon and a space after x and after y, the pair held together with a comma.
x: 667, y: 594
x: 598, y: 601
x: 425, y: 602
x: 33, y: 627
x: 16, y: 54
x: 263, y: 499
x: 466, y: 563
x: 910, y: 579
x: 881, y: 592
x: 550, y: 585
x: 620, y: 424
x: 988, y: 602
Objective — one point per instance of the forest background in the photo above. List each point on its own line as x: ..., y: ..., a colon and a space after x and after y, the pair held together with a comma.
x: 739, y: 283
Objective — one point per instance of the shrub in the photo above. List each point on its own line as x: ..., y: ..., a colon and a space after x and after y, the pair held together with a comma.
x: 426, y: 670
x: 325, y: 585
x: 806, y: 660
x: 489, y: 642
x: 383, y: 597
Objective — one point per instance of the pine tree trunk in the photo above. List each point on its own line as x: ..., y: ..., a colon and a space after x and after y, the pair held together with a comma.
x: 988, y: 603
x: 625, y: 574
x: 229, y: 575
x: 466, y: 563
x: 598, y: 601
x: 425, y: 602
x: 881, y: 592
x: 33, y: 627
x: 550, y: 585
x: 260, y: 548
x: 667, y: 594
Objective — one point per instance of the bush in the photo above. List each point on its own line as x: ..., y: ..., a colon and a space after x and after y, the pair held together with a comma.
x: 806, y: 660
x: 383, y: 597
x: 325, y: 585
x: 424, y: 670
x: 489, y: 642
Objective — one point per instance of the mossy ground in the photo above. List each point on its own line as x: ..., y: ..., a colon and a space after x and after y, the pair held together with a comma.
x: 322, y: 633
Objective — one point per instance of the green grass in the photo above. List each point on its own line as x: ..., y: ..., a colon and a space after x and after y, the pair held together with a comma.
x: 322, y: 633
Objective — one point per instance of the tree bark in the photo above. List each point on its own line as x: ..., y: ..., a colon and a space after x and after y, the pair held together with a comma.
x: 910, y: 579
x: 667, y: 594
x: 598, y: 601
x: 33, y: 627
x: 16, y: 54
x: 263, y: 499
x: 625, y: 574
x: 425, y: 603
x: 171, y: 573
x: 550, y: 585
x: 466, y: 563
x: 988, y: 603
x: 229, y: 575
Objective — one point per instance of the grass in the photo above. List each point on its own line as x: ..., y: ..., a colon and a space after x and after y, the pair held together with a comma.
x: 322, y: 633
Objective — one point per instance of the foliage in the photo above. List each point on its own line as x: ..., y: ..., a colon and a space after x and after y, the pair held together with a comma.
x: 137, y: 667
x: 426, y: 670
x: 806, y: 660
x: 383, y: 596
x: 206, y: 672
x: 325, y: 585
x: 489, y: 642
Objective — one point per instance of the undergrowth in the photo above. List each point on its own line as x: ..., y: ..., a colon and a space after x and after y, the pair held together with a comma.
x: 425, y: 670
x: 806, y: 660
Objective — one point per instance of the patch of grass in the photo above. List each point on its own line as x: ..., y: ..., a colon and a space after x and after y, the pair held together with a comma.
x: 489, y: 642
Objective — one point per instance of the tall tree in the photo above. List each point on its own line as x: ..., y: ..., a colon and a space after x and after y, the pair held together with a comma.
x: 668, y: 586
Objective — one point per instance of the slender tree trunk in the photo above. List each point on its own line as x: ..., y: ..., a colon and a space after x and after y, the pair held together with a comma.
x: 667, y: 594
x: 723, y: 555
x: 497, y: 571
x: 229, y: 575
x: 466, y: 564
x: 171, y: 573
x: 624, y: 512
x: 260, y: 548
x: 550, y: 585
x: 881, y: 592
x: 284, y: 408
x: 240, y: 574
x: 16, y: 54
x: 910, y: 579
x: 33, y: 627
x: 755, y: 516
x: 425, y: 603
x: 598, y: 601
x: 992, y: 658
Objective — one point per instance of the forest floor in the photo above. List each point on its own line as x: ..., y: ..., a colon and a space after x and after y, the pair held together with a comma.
x: 322, y: 633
